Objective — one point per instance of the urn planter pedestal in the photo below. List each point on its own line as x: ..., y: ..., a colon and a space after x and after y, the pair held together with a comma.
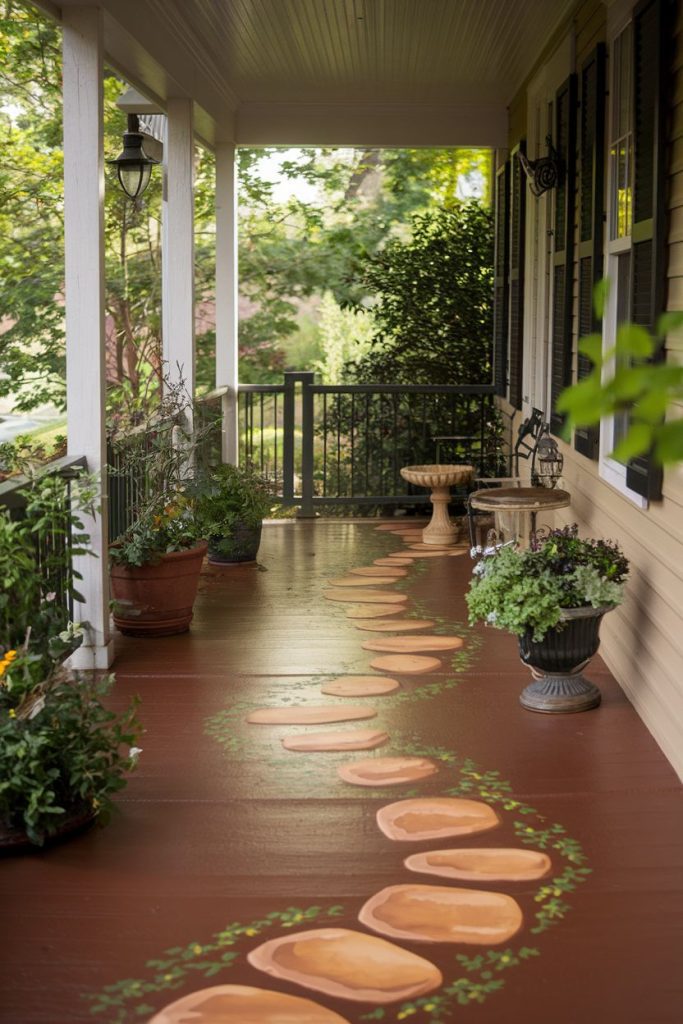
x: 557, y: 663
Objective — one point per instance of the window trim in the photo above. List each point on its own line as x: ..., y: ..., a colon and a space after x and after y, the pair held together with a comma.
x: 619, y: 16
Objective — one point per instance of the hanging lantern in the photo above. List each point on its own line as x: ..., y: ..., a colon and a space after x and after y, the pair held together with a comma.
x: 133, y: 166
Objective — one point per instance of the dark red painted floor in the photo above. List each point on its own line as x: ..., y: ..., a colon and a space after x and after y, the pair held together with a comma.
x: 220, y: 831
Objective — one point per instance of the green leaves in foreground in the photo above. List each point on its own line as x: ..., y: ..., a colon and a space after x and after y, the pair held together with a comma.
x: 628, y: 378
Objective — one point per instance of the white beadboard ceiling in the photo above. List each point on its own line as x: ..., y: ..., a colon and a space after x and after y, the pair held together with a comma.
x: 288, y: 66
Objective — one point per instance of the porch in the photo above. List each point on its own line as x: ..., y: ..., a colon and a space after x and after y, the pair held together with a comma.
x: 221, y: 832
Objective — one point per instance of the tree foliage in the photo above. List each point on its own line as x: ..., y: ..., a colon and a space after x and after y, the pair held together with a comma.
x: 289, y: 250
x: 433, y: 301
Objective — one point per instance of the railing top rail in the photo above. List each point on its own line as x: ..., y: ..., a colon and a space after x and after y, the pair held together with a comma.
x: 412, y: 389
x: 213, y: 396
x: 262, y: 389
x: 9, y: 489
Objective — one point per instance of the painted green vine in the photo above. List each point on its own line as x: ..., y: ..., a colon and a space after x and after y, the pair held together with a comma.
x: 476, y: 977
x: 480, y: 976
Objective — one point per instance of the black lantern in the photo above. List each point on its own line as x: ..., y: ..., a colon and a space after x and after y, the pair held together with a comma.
x: 133, y: 166
x: 547, y: 463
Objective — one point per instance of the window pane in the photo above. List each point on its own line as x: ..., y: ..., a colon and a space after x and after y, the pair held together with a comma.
x: 621, y: 420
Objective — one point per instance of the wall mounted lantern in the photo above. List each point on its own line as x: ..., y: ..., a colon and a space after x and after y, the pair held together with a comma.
x: 544, y: 173
x: 133, y: 166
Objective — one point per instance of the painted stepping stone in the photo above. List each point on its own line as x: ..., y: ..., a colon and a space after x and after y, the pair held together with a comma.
x: 376, y: 570
x: 347, y: 739
x: 368, y: 596
x: 405, y: 664
x: 360, y: 686
x: 242, y: 1004
x: 390, y: 526
x: 393, y: 561
x: 362, y: 581
x: 485, y: 865
x: 387, y: 771
x: 441, y: 548
x: 434, y: 818
x: 374, y: 611
x: 440, y: 913
x: 412, y: 553
x: 317, y: 714
x: 413, y: 644
x: 348, y: 964
x: 390, y: 626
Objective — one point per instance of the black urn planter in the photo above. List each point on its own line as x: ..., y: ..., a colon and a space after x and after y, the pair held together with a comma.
x: 241, y: 546
x: 558, y: 660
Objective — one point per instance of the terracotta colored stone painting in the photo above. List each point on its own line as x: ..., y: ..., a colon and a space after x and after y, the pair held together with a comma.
x: 356, y: 962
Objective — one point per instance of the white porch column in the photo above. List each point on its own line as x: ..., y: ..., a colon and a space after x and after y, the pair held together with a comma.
x: 177, y: 260
x: 226, y: 295
x: 84, y: 300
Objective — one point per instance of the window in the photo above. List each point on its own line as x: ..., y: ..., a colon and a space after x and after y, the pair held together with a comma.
x: 618, y: 256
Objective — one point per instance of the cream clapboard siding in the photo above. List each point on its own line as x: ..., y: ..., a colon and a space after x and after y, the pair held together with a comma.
x: 642, y: 641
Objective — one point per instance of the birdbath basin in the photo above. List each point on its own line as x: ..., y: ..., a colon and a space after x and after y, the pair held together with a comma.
x: 439, y: 479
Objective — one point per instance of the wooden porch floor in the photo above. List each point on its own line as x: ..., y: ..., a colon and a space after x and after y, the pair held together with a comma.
x: 223, y: 840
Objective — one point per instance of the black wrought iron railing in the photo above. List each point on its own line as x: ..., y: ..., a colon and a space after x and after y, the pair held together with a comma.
x: 53, y: 544
x: 344, y: 445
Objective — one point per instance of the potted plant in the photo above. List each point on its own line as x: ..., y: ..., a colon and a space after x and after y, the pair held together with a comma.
x: 231, y: 506
x: 552, y: 597
x: 62, y: 752
x: 156, y: 560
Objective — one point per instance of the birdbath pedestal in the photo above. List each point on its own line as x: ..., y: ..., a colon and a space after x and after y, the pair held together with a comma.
x: 439, y: 479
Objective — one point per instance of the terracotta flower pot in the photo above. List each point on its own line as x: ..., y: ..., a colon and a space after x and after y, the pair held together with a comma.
x: 557, y: 662
x: 157, y: 600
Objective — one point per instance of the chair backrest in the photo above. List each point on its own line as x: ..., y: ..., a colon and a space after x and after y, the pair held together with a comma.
x: 528, y: 435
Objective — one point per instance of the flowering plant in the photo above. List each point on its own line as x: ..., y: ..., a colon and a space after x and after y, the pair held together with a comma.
x: 522, y: 591
x: 61, y: 750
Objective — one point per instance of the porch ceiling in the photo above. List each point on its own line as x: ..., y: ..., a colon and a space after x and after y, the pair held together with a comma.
x: 402, y: 72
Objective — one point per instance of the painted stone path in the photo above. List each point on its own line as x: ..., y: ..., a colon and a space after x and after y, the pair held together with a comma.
x: 373, y: 967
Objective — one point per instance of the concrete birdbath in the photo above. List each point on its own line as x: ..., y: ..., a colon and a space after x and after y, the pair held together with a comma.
x: 439, y: 479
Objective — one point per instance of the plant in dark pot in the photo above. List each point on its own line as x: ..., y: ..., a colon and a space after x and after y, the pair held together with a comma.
x: 156, y: 560
x: 231, y: 505
x: 552, y: 597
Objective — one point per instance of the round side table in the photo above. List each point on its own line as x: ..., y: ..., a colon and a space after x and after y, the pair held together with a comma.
x: 519, y: 499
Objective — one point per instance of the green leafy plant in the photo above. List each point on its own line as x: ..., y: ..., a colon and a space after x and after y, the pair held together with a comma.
x: 630, y: 377
x: 520, y: 590
x: 161, y: 462
x: 37, y: 546
x: 229, y: 497
x: 61, y: 750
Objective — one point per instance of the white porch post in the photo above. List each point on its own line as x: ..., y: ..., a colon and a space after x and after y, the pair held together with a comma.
x: 177, y: 261
x: 226, y: 296
x: 84, y: 300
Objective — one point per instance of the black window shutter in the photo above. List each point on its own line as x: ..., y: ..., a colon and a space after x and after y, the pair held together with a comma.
x: 653, y: 29
x: 563, y: 257
x: 591, y: 140
x: 516, y: 293
x: 501, y: 279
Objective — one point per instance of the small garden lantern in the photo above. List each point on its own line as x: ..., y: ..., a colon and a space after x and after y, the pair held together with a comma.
x: 547, y: 463
x: 133, y: 166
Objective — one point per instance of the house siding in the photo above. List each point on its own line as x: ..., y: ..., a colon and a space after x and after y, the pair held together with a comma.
x: 642, y: 641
